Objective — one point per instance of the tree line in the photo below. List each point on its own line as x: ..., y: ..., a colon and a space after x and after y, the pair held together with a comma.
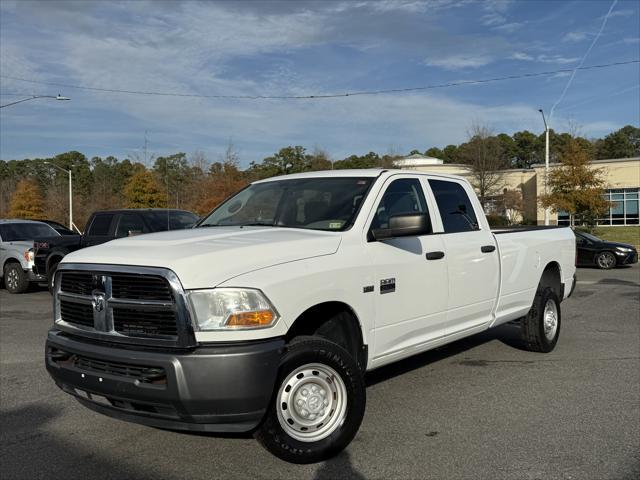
x: 34, y: 188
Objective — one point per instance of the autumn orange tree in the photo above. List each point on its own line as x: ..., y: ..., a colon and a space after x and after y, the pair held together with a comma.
x: 26, y: 201
x: 575, y: 187
x: 144, y: 191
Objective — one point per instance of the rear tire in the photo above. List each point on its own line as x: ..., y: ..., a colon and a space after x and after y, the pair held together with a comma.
x: 605, y: 260
x: 541, y: 326
x: 15, y: 280
x: 318, y: 403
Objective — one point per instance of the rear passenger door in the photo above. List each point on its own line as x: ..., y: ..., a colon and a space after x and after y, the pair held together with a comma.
x: 100, y: 229
x: 472, y: 257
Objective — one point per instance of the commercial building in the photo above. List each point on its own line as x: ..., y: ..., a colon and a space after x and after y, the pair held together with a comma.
x: 622, y: 188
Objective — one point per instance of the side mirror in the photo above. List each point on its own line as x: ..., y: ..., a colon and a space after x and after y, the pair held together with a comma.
x: 408, y: 225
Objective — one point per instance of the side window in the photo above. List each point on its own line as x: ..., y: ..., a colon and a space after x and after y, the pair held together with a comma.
x: 100, y: 224
x: 130, y: 224
x: 454, y: 205
x: 402, y: 196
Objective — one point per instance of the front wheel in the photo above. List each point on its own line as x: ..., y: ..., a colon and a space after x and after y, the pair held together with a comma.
x: 51, y: 275
x: 318, y: 404
x: 606, y: 260
x: 15, y: 280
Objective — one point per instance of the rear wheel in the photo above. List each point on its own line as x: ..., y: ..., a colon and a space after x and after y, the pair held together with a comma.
x: 605, y: 260
x: 318, y: 404
x: 541, y: 326
x: 15, y: 280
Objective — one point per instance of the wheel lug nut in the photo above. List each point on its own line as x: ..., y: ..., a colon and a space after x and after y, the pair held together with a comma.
x: 326, y: 403
x: 312, y: 416
x: 322, y: 392
x: 304, y: 413
x: 305, y: 392
x: 300, y: 402
x: 314, y: 389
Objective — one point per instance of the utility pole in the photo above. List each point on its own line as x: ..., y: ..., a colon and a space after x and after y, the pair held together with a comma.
x: 546, y: 165
x: 70, y: 192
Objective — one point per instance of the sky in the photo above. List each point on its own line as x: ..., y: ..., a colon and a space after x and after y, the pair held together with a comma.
x: 287, y: 48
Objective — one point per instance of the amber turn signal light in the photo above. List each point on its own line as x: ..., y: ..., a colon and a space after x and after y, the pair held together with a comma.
x: 260, y: 318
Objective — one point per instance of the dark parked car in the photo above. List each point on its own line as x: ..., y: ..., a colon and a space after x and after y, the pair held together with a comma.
x: 104, y: 226
x: 58, y: 227
x: 593, y: 251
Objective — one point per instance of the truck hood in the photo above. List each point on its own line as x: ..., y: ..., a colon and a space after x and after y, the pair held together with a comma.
x: 206, y: 257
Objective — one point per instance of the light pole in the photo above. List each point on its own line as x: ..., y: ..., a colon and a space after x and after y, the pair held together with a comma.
x: 34, y: 97
x: 70, y: 192
x: 546, y: 165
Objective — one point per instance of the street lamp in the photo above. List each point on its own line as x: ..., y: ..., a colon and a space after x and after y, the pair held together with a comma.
x: 546, y: 165
x: 34, y: 97
x: 70, y: 192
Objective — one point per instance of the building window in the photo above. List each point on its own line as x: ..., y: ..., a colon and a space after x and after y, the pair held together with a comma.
x: 623, y: 209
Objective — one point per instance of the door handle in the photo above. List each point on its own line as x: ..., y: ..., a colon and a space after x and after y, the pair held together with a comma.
x: 487, y: 248
x: 435, y: 255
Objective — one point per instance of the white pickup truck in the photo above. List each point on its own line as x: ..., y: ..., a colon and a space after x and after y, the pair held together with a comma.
x: 266, y: 316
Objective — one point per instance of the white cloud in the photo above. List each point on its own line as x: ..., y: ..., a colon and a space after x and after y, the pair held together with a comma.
x: 492, y: 19
x: 558, y: 59
x: 575, y: 37
x: 522, y: 56
x: 457, y: 62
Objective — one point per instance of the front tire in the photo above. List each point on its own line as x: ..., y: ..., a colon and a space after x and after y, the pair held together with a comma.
x: 541, y: 326
x: 318, y: 404
x: 51, y: 275
x: 15, y: 280
x: 605, y: 260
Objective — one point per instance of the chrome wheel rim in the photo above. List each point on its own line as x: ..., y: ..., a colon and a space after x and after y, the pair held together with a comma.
x: 606, y: 260
x: 550, y: 320
x: 12, y: 279
x: 312, y: 402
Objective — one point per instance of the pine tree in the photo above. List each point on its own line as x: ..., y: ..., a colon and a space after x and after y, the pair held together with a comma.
x: 26, y: 201
x: 576, y: 187
x: 143, y: 191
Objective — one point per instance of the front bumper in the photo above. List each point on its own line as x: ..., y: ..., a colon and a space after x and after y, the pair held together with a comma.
x: 34, y: 276
x: 216, y: 388
x: 626, y: 258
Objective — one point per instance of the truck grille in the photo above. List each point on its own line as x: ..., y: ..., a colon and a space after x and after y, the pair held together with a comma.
x: 145, y: 306
x: 78, y: 313
x: 132, y: 321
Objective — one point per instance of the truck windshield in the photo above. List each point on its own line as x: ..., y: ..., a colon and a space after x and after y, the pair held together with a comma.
x: 16, y: 232
x: 322, y: 203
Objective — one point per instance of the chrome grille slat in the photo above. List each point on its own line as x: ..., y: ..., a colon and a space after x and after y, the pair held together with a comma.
x: 136, y: 305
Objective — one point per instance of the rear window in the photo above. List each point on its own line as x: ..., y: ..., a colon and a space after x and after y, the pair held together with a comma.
x: 100, y: 225
x: 454, y: 205
x: 16, y: 232
x: 162, y: 221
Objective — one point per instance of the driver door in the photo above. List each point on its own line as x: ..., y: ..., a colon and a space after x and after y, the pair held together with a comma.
x: 411, y: 287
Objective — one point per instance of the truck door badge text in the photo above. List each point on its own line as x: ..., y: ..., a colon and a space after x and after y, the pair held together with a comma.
x: 388, y: 285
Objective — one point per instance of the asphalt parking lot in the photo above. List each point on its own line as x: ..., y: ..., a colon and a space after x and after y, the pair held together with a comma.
x: 479, y: 408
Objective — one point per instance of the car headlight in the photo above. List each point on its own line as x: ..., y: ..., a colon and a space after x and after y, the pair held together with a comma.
x: 231, y: 309
x: 28, y: 255
x: 624, y: 249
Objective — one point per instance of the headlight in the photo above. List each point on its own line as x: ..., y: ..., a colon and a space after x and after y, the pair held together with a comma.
x: 28, y: 255
x: 231, y: 308
x: 624, y: 249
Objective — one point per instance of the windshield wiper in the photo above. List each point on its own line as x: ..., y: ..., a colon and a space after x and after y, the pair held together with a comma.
x: 257, y: 224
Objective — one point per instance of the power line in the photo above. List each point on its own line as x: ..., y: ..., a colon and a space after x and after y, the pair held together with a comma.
x: 332, y: 95
x: 584, y: 57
